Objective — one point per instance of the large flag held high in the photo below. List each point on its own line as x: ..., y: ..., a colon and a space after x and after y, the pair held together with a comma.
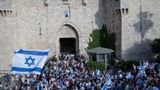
x: 28, y: 61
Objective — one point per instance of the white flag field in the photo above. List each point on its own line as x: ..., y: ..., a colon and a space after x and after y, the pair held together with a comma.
x: 28, y: 61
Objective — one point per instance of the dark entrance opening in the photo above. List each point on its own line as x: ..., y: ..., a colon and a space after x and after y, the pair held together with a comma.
x: 67, y: 45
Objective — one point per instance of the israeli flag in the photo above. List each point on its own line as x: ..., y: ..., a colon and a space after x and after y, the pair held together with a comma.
x: 141, y: 72
x: 97, y: 72
x: 107, y: 85
x: 129, y: 75
x: 145, y: 64
x: 28, y: 61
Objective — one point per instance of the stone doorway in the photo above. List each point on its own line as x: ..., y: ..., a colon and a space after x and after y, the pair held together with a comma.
x: 67, y: 40
x: 67, y: 45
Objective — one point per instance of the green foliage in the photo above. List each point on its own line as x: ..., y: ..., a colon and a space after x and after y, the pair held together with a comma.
x: 94, y: 39
x: 156, y: 46
x: 102, y: 38
x: 93, y: 65
x: 156, y: 49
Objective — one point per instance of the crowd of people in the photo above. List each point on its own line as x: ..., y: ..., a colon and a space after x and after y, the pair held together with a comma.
x: 70, y: 72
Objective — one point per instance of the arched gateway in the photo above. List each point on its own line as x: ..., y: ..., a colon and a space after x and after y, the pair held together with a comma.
x: 68, y: 39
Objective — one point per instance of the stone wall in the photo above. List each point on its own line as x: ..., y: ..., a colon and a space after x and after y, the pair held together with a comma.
x: 34, y: 24
x: 113, y: 21
x: 139, y: 27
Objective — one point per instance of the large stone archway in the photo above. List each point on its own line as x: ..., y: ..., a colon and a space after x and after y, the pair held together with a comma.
x: 68, y: 39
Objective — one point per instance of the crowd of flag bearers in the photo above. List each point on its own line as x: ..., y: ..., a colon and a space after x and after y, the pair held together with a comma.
x: 70, y: 72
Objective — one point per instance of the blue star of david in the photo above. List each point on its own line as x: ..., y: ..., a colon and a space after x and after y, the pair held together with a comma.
x: 29, y: 61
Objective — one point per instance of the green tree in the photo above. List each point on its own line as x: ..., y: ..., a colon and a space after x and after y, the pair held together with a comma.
x: 156, y: 49
x: 156, y: 46
x: 92, y: 65
x: 102, y: 38
x: 94, y: 39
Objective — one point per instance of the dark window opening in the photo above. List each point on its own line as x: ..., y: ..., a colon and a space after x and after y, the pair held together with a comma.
x: 123, y: 10
x: 66, y: 15
x: 127, y: 10
x: 84, y: 3
x: 119, y: 11
x: 1, y: 12
x: 5, y: 13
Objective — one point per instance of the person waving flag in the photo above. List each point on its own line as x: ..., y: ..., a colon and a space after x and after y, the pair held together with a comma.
x: 108, y: 84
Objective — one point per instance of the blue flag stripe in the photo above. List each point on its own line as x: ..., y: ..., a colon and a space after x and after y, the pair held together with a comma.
x: 26, y: 69
x: 32, y: 52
